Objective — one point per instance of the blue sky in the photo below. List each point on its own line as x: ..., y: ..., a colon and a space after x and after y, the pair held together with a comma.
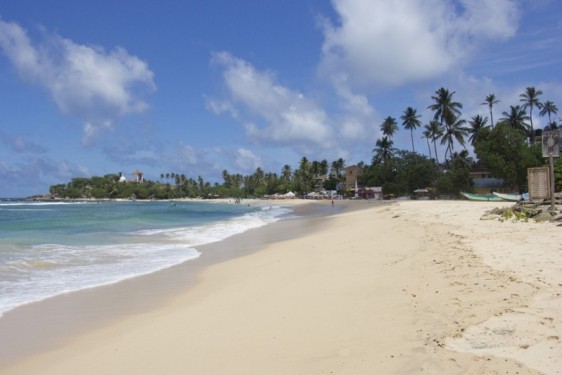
x: 195, y: 87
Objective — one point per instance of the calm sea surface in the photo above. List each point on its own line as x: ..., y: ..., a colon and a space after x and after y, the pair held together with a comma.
x: 48, y: 249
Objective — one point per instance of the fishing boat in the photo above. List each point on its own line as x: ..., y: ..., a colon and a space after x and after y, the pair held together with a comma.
x: 481, y: 197
x: 509, y: 197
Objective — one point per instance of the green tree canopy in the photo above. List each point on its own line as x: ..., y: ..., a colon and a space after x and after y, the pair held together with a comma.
x: 505, y: 152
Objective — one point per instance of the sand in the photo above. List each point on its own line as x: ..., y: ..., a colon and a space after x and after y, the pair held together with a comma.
x: 400, y: 288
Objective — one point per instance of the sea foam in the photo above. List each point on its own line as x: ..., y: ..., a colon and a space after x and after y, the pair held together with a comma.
x: 33, y: 273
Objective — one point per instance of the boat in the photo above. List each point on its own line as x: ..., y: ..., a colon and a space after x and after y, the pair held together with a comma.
x: 510, y: 197
x: 481, y: 197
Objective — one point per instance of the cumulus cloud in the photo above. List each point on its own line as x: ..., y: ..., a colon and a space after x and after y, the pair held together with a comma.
x: 359, y: 116
x: 21, y: 145
x: 88, y: 82
x: 219, y: 107
x: 246, y: 160
x: 395, y: 42
x: 30, y: 175
x: 282, y: 116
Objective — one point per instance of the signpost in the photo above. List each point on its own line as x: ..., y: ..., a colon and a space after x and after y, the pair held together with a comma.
x: 551, y: 149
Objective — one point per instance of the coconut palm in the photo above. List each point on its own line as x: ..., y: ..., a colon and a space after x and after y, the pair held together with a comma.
x: 530, y: 99
x: 490, y: 100
x: 411, y: 121
x: 286, y: 172
x: 324, y: 167
x: 549, y: 108
x: 476, y: 124
x: 435, y: 131
x: 427, y: 135
x: 516, y: 118
x: 337, y: 167
x: 454, y: 130
x: 389, y: 127
x: 444, y: 105
x: 384, y: 149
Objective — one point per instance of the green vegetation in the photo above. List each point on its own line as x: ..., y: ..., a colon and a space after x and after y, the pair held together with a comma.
x: 506, y: 148
x: 508, y: 214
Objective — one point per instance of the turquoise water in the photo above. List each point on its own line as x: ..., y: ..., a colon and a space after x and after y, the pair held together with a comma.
x: 52, y: 248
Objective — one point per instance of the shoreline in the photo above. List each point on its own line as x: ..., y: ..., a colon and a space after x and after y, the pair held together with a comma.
x: 392, y: 288
x: 41, y: 325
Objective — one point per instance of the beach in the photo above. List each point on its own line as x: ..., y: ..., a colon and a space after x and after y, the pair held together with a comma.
x: 387, y: 288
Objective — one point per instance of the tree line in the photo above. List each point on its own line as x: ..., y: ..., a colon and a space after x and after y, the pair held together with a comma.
x: 506, y: 148
x: 173, y: 185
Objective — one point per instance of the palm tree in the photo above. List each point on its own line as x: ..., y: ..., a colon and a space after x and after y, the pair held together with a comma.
x: 427, y: 135
x: 436, y: 131
x: 444, y: 105
x: 516, y: 118
x: 549, y: 108
x: 315, y: 168
x: 337, y: 167
x: 454, y: 130
x: 530, y: 99
x: 384, y: 149
x: 324, y: 167
x: 476, y: 124
x: 389, y: 127
x: 490, y: 100
x: 411, y: 121
x: 286, y: 172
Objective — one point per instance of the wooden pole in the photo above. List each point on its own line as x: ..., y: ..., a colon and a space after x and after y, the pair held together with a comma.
x: 551, y: 163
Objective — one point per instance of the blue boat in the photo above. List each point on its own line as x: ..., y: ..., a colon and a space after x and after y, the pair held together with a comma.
x: 481, y: 197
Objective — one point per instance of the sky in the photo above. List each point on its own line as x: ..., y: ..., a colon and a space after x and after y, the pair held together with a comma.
x: 93, y: 87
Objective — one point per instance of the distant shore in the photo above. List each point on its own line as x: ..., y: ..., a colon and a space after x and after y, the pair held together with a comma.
x: 358, y: 288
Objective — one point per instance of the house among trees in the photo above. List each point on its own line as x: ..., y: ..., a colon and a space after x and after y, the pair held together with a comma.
x: 139, y: 176
x: 484, y: 182
x: 351, y: 174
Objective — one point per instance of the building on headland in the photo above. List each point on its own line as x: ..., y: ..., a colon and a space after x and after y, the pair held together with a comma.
x: 139, y: 176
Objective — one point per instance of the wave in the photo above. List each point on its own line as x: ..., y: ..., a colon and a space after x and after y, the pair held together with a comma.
x: 73, y: 268
x: 26, y: 203
x: 204, y: 234
x: 33, y: 273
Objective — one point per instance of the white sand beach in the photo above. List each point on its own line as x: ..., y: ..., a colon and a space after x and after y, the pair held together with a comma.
x: 397, y: 288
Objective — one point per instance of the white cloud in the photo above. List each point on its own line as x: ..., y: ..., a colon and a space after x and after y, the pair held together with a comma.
x: 246, y: 160
x: 188, y: 155
x: 359, y: 116
x: 88, y: 82
x: 219, y: 107
x: 21, y: 145
x: 395, y: 42
x: 283, y: 116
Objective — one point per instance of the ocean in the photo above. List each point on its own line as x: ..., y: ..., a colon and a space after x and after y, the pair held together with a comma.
x: 51, y: 248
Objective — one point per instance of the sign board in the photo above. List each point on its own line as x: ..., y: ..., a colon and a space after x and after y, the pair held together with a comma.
x: 539, y: 182
x: 551, y: 143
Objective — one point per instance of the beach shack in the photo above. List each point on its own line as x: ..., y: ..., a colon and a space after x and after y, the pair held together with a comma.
x: 484, y: 182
